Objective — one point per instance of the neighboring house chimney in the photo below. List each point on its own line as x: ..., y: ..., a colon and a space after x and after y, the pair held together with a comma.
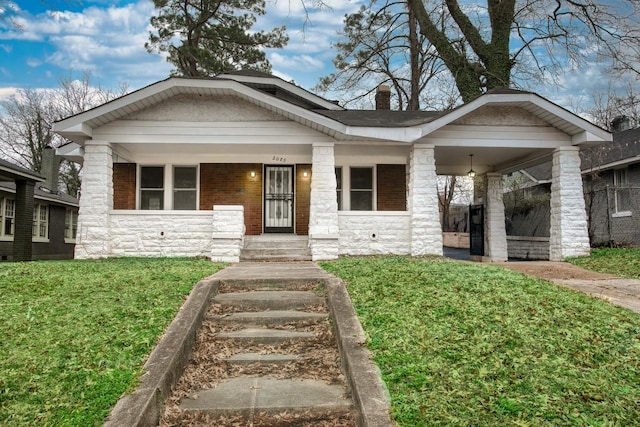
x: 620, y: 123
x: 383, y: 98
x: 50, y: 169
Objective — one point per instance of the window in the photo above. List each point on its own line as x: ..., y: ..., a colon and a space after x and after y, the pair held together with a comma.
x: 7, y: 216
x: 152, y: 187
x: 361, y: 189
x: 339, y: 187
x: 622, y: 192
x: 70, y: 224
x: 185, y: 184
x: 40, y: 221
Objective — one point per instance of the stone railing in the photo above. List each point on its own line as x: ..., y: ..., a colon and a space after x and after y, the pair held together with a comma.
x: 160, y: 233
x: 228, y: 233
x: 374, y: 233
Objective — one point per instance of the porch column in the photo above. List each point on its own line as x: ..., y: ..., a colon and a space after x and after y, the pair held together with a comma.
x: 323, y: 205
x: 96, y: 200
x: 495, y: 231
x: 568, y: 234
x: 426, y: 230
x: 23, y: 229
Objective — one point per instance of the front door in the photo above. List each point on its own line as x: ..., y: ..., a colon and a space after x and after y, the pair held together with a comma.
x: 278, y: 199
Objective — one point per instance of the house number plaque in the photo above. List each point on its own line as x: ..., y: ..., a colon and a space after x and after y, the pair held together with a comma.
x: 279, y: 159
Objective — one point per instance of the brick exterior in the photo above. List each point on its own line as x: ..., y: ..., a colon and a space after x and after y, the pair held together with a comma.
x: 22, y: 248
x: 391, y: 188
x: 124, y: 185
x: 303, y: 198
x: 232, y: 184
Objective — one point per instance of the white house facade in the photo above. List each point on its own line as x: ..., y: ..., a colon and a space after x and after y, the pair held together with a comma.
x: 191, y: 167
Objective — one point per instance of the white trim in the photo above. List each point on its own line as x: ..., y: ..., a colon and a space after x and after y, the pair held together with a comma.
x: 621, y: 214
x: 161, y: 213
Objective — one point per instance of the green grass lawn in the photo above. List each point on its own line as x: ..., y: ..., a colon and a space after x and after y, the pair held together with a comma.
x: 74, y: 334
x: 472, y: 344
x: 621, y: 262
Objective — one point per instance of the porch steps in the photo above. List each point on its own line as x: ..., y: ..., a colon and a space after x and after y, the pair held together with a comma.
x: 276, y: 247
x: 275, y: 344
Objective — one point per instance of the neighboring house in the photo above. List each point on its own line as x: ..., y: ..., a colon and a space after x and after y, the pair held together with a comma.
x: 189, y: 167
x: 52, y: 221
x: 611, y: 185
x: 612, y: 190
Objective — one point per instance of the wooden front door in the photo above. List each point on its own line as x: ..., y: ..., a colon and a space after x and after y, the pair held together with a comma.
x: 278, y: 199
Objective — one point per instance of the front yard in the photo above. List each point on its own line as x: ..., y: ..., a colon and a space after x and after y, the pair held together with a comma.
x: 74, y: 334
x: 457, y: 343
x: 474, y: 344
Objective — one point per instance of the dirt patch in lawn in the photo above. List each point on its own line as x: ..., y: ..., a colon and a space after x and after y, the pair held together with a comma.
x: 550, y: 270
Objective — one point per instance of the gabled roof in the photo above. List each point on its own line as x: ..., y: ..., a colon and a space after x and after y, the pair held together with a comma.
x: 297, y: 104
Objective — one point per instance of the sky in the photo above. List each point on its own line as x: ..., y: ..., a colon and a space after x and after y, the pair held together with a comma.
x: 63, y: 38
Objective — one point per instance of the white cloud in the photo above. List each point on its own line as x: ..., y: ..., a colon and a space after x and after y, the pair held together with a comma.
x: 6, y: 92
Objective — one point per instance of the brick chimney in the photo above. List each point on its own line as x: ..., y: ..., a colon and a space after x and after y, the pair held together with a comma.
x: 50, y: 168
x: 383, y: 98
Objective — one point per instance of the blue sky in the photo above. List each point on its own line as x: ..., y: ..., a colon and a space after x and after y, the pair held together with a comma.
x: 62, y: 38
x: 106, y: 38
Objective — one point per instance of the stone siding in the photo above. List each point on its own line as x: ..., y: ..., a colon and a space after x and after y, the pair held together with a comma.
x: 374, y: 233
x: 568, y: 231
x: 161, y: 233
x: 426, y: 230
x: 228, y: 233
x: 323, y: 205
x: 523, y: 247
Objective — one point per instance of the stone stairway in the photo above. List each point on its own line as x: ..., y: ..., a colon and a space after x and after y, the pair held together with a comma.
x: 275, y: 247
x: 265, y: 356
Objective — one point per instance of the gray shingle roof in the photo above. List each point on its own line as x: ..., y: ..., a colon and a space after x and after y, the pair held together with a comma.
x: 381, y: 118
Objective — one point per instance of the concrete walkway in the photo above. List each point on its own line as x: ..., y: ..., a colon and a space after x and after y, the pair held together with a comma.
x: 616, y: 290
x: 261, y: 298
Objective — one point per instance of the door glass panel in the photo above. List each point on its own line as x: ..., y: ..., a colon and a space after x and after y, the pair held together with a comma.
x: 279, y: 198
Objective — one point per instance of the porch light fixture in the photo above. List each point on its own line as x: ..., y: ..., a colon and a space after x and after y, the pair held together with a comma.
x: 305, y: 174
x: 471, y: 172
x: 253, y: 174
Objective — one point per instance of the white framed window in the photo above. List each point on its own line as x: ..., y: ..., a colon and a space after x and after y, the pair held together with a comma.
x: 339, y: 186
x: 70, y: 225
x: 361, y: 191
x: 622, y: 193
x: 152, y: 187
x: 7, y: 217
x: 40, y: 221
x: 185, y: 187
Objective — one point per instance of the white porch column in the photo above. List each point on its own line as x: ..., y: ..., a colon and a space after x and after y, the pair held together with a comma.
x: 568, y: 235
x: 495, y: 231
x: 426, y: 231
x: 96, y: 200
x: 323, y: 210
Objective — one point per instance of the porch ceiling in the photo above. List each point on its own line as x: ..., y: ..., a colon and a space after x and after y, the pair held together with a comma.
x: 456, y: 160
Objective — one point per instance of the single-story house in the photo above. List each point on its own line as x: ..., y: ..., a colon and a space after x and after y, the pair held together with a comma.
x: 37, y: 222
x: 190, y: 167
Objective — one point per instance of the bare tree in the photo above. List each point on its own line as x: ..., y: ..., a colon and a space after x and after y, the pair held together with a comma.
x: 26, y: 123
x: 483, y: 44
x: 381, y: 45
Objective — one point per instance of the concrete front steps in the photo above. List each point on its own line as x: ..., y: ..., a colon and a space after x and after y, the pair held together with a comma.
x: 267, y: 327
x: 276, y: 247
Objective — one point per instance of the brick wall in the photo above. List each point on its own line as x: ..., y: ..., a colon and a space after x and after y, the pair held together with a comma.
x: 232, y: 184
x: 124, y: 185
x: 303, y: 198
x: 391, y: 188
